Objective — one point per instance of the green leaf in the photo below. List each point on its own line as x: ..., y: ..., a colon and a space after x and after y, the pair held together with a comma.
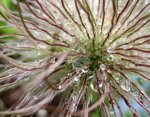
x: 9, y: 4
x: 97, y: 111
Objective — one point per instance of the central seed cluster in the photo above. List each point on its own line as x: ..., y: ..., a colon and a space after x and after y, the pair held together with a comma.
x: 94, y: 57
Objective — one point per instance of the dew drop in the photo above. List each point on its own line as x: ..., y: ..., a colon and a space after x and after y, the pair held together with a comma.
x: 125, y: 47
x: 26, y: 79
x: 39, y: 53
x: 128, y: 88
x: 44, y: 15
x: 74, y: 104
x: 85, y: 70
x: 117, y: 78
x: 42, y: 113
x: 109, y: 71
x: 82, y: 12
x: 58, y: 20
x: 117, y: 61
x: 111, y: 112
x: 100, y: 85
x: 84, y: 30
x: 30, y: 26
x: 111, y: 50
x: 60, y: 87
x: 68, y: 74
x: 146, y: 2
x: 125, y: 87
x: 92, y: 87
x: 57, y: 4
x: 49, y: 37
x: 90, y: 77
x: 53, y: 60
x: 35, y: 98
x: 111, y: 58
x: 76, y: 79
x: 71, y: 29
x: 99, y: 22
x: 103, y: 67
x: 42, y: 46
x: 41, y: 85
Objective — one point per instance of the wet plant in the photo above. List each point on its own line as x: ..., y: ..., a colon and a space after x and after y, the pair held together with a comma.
x: 84, y: 54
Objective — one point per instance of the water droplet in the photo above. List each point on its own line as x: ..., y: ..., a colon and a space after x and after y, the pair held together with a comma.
x: 125, y: 47
x: 26, y: 79
x: 57, y: 4
x: 42, y: 113
x: 76, y: 79
x: 100, y: 84
x: 90, y: 77
x: 42, y: 46
x: 84, y: 30
x: 146, y: 2
x: 58, y: 20
x: 105, y: 31
x: 74, y: 104
x: 112, y: 112
x: 92, y: 87
x: 44, y: 15
x: 30, y: 26
x: 85, y: 70
x: 39, y: 53
x: 71, y: 29
x: 111, y: 58
x: 99, y: 22
x: 117, y: 78
x: 82, y: 12
x: 35, y: 98
x: 49, y: 38
x: 103, y: 67
x: 53, y: 60
x: 60, y: 87
x: 68, y: 74
x: 111, y: 50
x: 117, y: 61
x: 109, y: 71
x: 41, y: 85
x: 125, y: 86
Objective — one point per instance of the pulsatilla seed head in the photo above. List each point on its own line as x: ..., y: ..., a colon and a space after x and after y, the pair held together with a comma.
x: 76, y: 57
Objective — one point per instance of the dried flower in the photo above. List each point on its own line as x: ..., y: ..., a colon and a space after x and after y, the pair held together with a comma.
x: 83, y: 52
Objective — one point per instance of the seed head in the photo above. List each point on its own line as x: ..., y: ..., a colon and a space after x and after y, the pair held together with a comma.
x: 80, y: 54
